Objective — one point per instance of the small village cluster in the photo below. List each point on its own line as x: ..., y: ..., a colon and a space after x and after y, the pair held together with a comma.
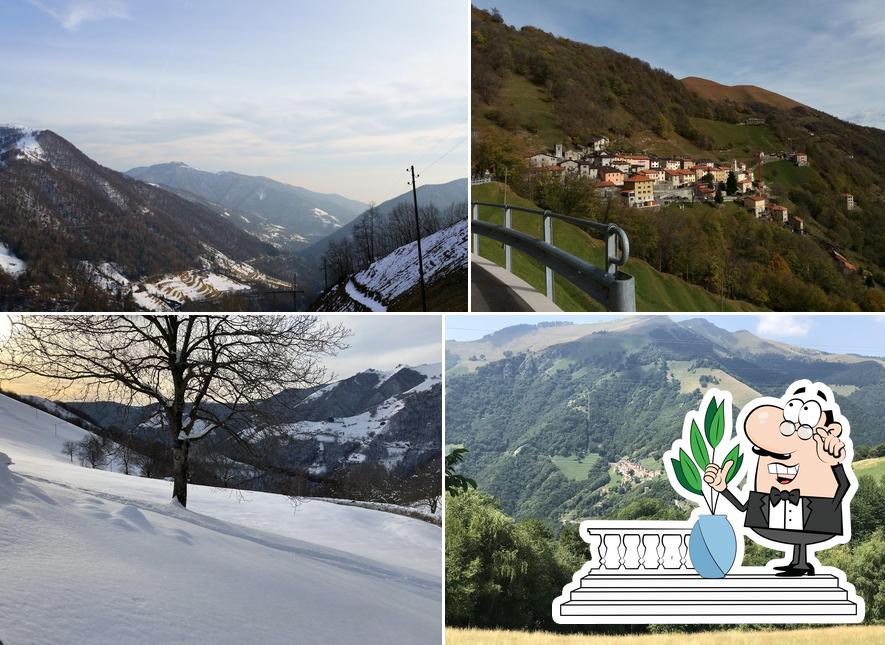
x: 649, y: 182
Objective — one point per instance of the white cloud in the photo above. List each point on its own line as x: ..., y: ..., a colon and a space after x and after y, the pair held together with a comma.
x: 782, y: 326
x: 72, y: 13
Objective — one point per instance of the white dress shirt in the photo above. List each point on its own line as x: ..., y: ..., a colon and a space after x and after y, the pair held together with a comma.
x: 785, y: 515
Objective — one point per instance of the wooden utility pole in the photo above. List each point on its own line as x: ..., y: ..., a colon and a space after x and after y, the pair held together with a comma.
x: 372, y: 232
x: 325, y: 276
x: 295, y: 291
x: 418, y: 238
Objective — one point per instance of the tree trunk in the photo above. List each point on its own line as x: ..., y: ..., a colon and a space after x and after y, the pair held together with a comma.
x: 180, y: 470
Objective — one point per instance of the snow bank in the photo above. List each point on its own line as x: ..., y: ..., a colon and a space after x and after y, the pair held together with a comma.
x: 5, y: 477
x: 9, y: 263
x: 369, y: 303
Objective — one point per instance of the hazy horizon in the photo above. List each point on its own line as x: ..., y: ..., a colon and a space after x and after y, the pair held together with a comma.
x: 333, y: 98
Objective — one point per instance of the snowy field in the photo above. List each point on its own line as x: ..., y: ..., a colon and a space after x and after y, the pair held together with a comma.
x: 100, y: 557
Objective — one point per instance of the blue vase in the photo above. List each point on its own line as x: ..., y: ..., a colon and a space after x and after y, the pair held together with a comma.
x: 712, y: 546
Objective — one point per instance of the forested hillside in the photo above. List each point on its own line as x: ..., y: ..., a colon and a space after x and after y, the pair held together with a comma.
x: 63, y: 215
x: 532, y: 90
x: 576, y: 428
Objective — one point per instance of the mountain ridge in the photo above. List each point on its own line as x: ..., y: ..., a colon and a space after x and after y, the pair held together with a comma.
x: 300, y: 211
x: 711, y: 90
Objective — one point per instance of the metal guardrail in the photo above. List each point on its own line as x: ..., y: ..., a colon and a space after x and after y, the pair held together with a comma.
x: 610, y: 286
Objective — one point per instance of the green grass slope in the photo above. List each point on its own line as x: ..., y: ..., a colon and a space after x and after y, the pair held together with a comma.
x: 655, y: 291
x: 874, y: 467
x: 742, y: 140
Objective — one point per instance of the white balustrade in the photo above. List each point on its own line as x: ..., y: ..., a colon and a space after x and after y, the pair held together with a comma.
x: 637, y: 546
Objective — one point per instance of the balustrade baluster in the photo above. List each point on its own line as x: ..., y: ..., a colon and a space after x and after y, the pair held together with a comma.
x: 632, y: 543
x: 596, y: 549
x: 672, y: 543
x: 653, y: 552
x: 612, y: 556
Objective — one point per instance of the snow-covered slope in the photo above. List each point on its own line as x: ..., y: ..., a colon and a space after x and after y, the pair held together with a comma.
x: 378, y: 286
x: 99, y: 557
x: 9, y: 263
x: 17, y: 142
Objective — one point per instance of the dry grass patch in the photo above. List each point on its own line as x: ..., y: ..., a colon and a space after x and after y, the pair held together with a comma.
x: 853, y: 635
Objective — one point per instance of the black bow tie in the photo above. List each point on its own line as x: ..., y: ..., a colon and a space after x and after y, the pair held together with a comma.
x: 777, y: 496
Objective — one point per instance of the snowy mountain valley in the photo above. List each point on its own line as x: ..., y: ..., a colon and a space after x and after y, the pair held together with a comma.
x: 77, y: 236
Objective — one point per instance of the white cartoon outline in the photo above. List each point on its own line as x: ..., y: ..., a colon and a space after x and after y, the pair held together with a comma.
x: 733, y: 434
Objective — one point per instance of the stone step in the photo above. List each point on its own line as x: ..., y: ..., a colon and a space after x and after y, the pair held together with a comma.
x: 634, y: 580
x: 677, y: 611
x: 676, y: 594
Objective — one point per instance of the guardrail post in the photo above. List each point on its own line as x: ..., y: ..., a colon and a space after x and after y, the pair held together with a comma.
x: 475, y: 236
x: 611, y: 252
x: 548, y: 237
x: 508, y: 224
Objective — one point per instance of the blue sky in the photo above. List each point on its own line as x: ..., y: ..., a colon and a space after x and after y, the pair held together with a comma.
x: 334, y: 96
x: 842, y: 334
x: 828, y: 55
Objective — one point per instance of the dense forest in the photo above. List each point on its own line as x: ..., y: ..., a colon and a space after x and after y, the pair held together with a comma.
x: 531, y: 89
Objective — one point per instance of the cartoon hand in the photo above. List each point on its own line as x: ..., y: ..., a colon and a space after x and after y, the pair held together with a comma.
x: 830, y: 448
x: 714, y: 476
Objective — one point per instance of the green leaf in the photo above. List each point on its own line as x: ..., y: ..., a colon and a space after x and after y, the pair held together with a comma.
x: 680, y: 477
x: 735, y: 469
x: 708, y: 417
x: 734, y: 455
x: 690, y: 473
x: 698, y: 447
x: 716, y: 429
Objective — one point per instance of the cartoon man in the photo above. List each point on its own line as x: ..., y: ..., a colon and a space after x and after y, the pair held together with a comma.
x: 800, y: 480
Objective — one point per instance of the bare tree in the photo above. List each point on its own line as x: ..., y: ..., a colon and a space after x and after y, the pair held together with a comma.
x: 205, y: 374
x: 69, y: 448
x: 93, y: 451
x: 426, y: 484
x: 122, y: 451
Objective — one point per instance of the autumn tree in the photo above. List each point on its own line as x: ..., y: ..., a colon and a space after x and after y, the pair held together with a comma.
x: 204, y: 374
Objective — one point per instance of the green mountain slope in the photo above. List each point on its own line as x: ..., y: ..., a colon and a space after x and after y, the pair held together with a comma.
x: 531, y: 90
x: 571, y: 421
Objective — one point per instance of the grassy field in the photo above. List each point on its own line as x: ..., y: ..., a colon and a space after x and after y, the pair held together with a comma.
x: 874, y: 467
x: 689, y: 381
x: 742, y: 140
x: 854, y: 635
x: 576, y: 469
x: 655, y: 291
x: 530, y: 107
x: 787, y: 174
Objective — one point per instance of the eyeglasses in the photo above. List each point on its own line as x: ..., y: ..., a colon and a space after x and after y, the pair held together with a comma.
x: 788, y: 428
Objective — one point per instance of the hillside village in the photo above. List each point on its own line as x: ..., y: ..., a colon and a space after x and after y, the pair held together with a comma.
x: 650, y: 182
